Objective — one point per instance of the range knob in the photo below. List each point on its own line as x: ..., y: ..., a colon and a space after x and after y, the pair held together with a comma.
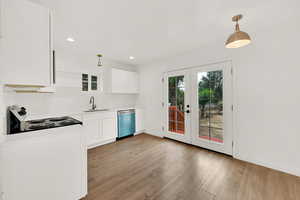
x: 22, y: 111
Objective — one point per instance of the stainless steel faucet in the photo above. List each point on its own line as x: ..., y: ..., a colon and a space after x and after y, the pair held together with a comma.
x: 92, y: 101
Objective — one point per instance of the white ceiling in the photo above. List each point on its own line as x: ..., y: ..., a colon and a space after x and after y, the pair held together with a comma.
x: 154, y: 29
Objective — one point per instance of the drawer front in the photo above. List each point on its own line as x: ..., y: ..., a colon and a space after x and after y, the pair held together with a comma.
x: 99, y: 115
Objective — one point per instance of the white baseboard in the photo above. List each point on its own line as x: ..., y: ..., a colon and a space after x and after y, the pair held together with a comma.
x: 139, y: 132
x: 101, y: 143
x: 289, y: 170
x: 154, y: 132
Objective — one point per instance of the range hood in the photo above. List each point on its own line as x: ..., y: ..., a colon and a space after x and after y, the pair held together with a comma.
x: 49, y: 89
x: 31, y: 88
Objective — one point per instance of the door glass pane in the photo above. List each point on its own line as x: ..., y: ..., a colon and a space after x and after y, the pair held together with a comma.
x: 176, y: 104
x: 210, y: 104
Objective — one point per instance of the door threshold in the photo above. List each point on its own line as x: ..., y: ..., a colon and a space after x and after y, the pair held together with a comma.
x: 198, y: 146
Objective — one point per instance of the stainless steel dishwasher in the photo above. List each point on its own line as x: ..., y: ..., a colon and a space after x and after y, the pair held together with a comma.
x: 126, y: 123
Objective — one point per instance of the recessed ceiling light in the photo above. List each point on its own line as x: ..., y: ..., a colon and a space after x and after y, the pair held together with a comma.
x: 70, y: 39
x: 131, y: 57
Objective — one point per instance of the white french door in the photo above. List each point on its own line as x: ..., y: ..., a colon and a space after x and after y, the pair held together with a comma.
x: 177, y: 124
x: 198, y: 106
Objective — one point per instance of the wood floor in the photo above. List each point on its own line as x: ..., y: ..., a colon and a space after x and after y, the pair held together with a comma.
x: 150, y: 168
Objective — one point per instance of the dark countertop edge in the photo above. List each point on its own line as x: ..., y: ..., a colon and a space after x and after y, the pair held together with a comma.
x: 80, y: 123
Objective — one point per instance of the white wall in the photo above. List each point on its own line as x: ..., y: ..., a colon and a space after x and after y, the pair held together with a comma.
x: 266, y: 94
x: 2, y: 114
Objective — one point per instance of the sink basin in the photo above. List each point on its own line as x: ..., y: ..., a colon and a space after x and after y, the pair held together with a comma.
x: 96, y: 110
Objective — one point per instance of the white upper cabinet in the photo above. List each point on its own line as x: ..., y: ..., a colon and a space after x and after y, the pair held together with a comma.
x: 120, y: 81
x: 25, y: 31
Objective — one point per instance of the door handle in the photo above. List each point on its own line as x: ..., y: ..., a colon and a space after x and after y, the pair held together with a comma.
x: 188, y: 110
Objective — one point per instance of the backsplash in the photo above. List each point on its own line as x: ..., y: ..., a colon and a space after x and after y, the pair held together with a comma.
x: 2, y: 113
x: 67, y: 100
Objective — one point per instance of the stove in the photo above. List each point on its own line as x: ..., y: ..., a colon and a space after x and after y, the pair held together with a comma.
x: 38, y: 121
x: 17, y: 122
x: 58, y: 119
x: 50, y: 123
x: 40, y: 126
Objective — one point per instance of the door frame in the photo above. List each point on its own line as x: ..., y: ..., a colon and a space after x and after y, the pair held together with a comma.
x: 228, y: 64
x: 186, y: 137
x: 226, y: 146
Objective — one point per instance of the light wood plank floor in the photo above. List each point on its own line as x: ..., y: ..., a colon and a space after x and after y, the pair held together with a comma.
x: 150, y: 168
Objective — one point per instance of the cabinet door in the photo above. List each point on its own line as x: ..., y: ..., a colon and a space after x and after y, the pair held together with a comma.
x: 139, y: 120
x: 124, y: 81
x: 132, y: 82
x: 30, y: 167
x: 93, y: 130
x: 119, y: 81
x: 25, y: 40
x: 109, y: 128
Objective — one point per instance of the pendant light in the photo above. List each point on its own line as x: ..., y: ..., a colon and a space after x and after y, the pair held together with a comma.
x: 99, y: 60
x: 238, y: 38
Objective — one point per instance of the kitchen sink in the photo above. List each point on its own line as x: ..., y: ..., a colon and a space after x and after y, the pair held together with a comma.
x: 96, y: 110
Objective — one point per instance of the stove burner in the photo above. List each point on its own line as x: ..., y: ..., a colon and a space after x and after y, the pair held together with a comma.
x: 42, y: 126
x: 58, y: 119
x: 65, y: 123
x: 37, y: 121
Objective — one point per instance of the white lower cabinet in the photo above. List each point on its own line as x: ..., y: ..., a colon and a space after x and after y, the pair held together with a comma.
x: 92, y: 130
x: 100, y: 128
x: 139, y: 121
x: 47, y: 164
x: 109, y: 128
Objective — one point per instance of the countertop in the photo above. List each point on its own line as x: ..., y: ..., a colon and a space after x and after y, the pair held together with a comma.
x: 76, y: 114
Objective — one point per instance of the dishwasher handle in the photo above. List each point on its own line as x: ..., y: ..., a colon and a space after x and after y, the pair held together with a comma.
x: 126, y: 111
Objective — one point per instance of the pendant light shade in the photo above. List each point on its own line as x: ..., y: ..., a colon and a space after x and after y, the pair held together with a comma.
x: 238, y: 38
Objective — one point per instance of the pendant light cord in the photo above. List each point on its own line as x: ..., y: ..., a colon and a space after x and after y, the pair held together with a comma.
x: 237, y: 26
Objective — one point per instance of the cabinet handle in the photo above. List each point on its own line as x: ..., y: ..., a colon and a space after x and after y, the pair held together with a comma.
x: 53, y: 63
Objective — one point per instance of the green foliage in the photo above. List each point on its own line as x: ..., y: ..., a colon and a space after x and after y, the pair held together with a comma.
x: 205, y: 95
x: 176, y: 91
x: 210, y: 89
